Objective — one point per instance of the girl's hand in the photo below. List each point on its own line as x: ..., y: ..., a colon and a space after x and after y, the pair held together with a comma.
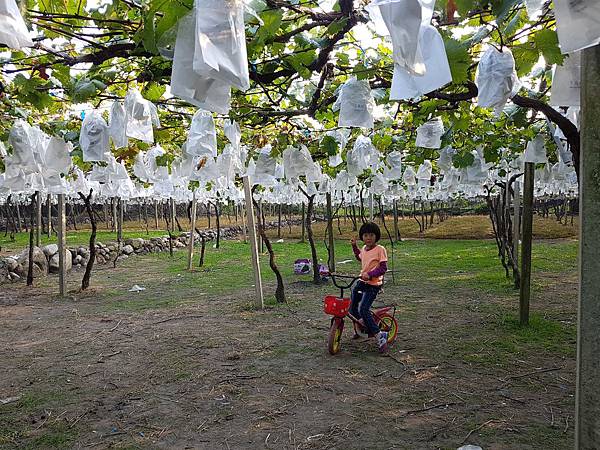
x: 353, y: 241
x: 364, y: 277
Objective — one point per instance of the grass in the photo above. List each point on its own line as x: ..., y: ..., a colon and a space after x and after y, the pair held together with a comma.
x: 462, y: 228
x: 27, y: 423
x: 449, y: 264
x: 507, y: 341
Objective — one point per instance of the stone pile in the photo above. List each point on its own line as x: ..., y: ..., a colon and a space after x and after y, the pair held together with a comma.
x: 45, y: 259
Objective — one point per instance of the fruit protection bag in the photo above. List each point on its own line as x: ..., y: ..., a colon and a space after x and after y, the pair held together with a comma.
x: 355, y: 103
x: 202, y: 136
x: 94, y: 137
x: 13, y: 31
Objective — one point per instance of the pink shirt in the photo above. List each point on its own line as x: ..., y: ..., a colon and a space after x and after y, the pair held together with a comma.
x: 370, y: 259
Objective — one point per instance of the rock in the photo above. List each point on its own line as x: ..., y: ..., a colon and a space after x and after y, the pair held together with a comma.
x: 127, y: 250
x: 100, y: 259
x: 50, y: 250
x: 11, y: 263
x: 99, y: 244
x: 73, y: 253
x: 39, y: 260
x: 13, y: 276
x: 78, y: 259
x: 53, y: 265
x: 137, y: 243
x: 83, y: 252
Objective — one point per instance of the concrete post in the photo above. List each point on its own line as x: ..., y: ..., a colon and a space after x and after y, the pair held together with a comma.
x: 62, y: 245
x: 587, y: 403
x: 525, y: 291
x: 253, y: 244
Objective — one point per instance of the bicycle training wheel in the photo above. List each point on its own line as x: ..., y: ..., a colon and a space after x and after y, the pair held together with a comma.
x: 334, y: 341
x: 389, y: 324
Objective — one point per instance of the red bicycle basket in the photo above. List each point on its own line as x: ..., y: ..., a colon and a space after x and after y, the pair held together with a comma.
x: 336, y: 306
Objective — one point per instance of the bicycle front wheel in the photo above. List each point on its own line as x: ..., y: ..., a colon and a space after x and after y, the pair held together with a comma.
x: 334, y: 341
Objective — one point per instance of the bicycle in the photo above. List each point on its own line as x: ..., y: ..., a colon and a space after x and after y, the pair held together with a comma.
x: 339, y: 308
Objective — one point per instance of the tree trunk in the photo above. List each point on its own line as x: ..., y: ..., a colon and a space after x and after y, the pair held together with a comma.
x: 280, y: 289
x: 218, y: 220
x: 85, y: 282
x: 311, y: 239
x: 331, y: 242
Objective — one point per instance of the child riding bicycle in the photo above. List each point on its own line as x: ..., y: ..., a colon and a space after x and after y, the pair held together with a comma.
x: 373, y: 258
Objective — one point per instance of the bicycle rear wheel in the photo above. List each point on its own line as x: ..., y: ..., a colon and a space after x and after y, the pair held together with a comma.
x: 334, y: 341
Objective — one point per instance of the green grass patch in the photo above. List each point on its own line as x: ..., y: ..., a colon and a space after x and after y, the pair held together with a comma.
x: 504, y: 340
x: 74, y: 238
x: 449, y: 264
x: 17, y: 430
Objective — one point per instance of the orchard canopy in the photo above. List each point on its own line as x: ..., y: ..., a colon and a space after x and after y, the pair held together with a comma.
x: 401, y: 99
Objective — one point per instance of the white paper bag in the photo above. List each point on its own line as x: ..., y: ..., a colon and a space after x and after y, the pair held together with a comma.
x: 199, y: 90
x: 429, y: 135
x: 141, y: 115
x: 393, y: 170
x: 297, y: 162
x: 24, y: 142
x: 403, y: 19
x: 496, y: 79
x: 220, y: 42
x: 534, y: 8
x: 577, y: 24
x: 355, y: 103
x: 424, y: 171
x: 437, y: 74
x: 57, y: 157
x: 13, y: 31
x: 566, y: 82
x: 117, y: 124
x: 445, y: 160
x: 94, y: 137
x: 202, y: 136
x: 536, y: 151
x: 409, y: 177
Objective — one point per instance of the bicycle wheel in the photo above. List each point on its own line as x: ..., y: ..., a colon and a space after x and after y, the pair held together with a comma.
x: 389, y: 324
x: 335, y: 335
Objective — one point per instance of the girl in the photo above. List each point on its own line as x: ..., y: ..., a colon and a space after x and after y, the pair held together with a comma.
x: 373, y: 258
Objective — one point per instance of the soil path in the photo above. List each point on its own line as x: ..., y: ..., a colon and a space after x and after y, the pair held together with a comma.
x: 211, y: 373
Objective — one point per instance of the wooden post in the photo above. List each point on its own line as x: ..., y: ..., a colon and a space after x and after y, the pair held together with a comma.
x: 62, y: 245
x: 517, y: 219
x: 38, y: 218
x: 192, y: 232
x: 279, y: 220
x: 303, y: 223
x: 120, y: 223
x: 587, y: 403
x: 244, y: 227
x: 49, y: 214
x: 331, y: 245
x: 253, y: 244
x: 396, y: 229
x: 114, y: 215
x: 260, y: 213
x: 525, y: 288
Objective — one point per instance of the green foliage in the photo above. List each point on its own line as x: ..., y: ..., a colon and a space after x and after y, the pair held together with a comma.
x: 289, y: 41
x: 329, y: 145
x: 459, y: 59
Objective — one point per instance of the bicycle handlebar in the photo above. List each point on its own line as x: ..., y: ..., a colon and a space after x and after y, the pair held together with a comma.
x: 352, y: 279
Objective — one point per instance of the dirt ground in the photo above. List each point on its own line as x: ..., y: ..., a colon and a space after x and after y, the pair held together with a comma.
x: 114, y: 369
